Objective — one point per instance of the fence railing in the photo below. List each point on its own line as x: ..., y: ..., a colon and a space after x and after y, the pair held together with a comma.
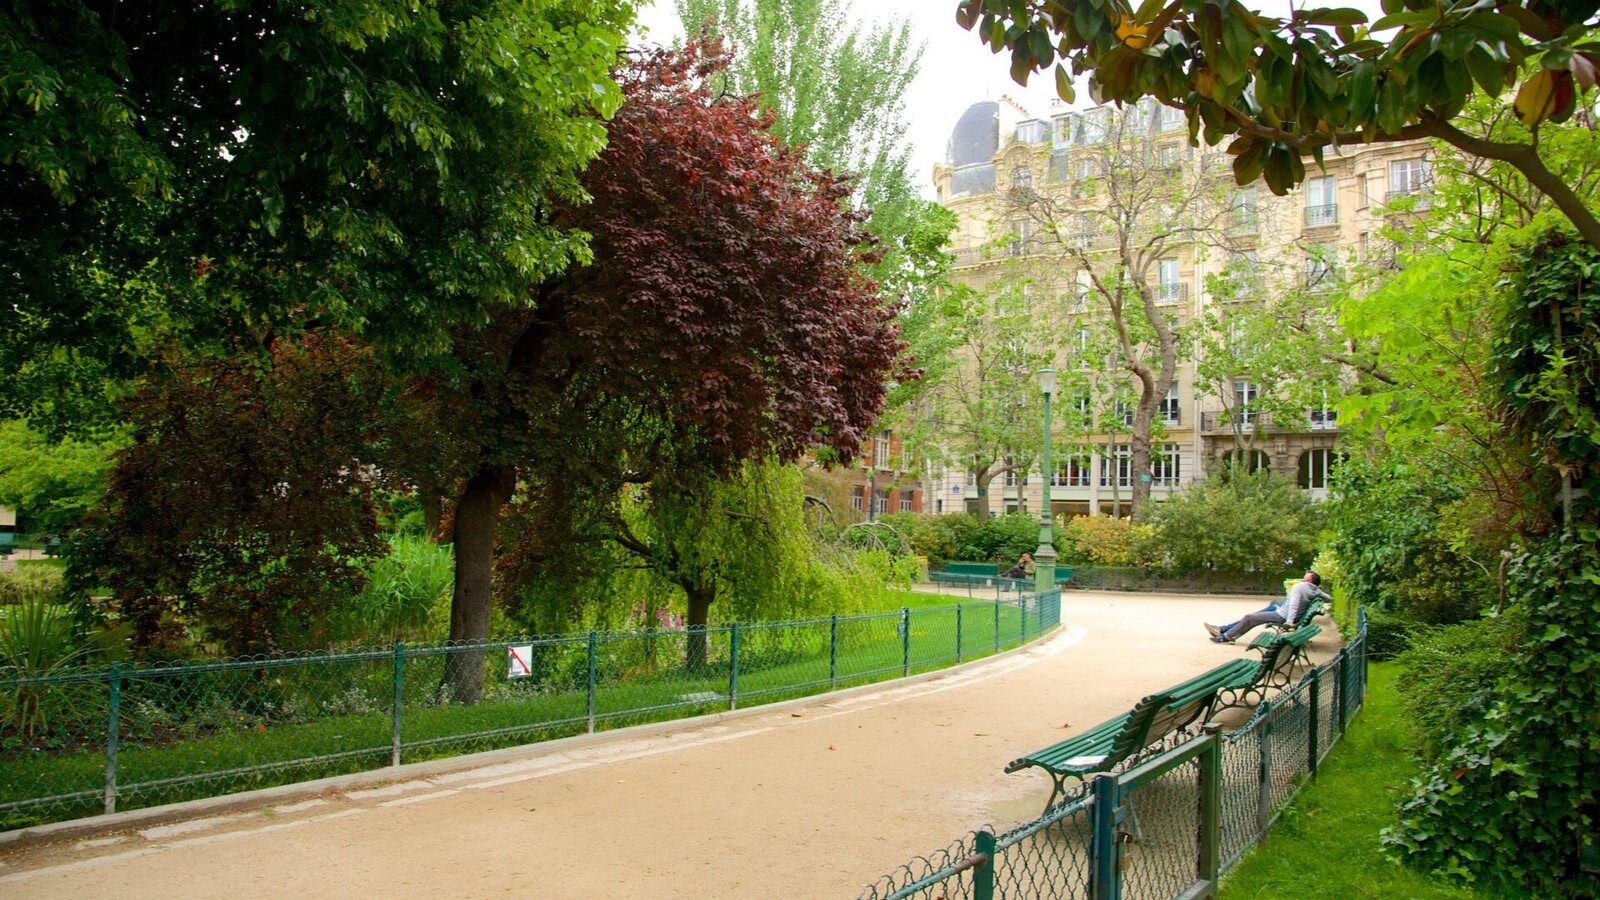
x: 1167, y: 826
x: 83, y: 740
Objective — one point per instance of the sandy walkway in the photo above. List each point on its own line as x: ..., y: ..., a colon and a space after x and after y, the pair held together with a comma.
x: 808, y: 802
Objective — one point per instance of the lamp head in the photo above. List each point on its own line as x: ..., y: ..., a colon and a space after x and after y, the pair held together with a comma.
x: 1047, y: 381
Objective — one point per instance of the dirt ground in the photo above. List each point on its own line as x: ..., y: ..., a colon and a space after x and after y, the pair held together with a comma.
x: 811, y: 801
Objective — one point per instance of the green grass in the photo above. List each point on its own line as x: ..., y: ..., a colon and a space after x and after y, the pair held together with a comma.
x: 1326, y: 844
x: 46, y: 563
x: 776, y: 663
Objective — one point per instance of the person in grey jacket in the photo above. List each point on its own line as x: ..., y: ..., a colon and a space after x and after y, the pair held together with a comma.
x: 1300, y: 596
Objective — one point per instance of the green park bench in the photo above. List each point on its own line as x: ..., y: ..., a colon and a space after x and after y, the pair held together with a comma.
x: 1296, y: 640
x: 971, y: 568
x: 1275, y: 670
x: 1151, y: 722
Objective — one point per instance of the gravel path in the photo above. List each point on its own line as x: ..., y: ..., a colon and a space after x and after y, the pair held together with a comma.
x: 809, y: 801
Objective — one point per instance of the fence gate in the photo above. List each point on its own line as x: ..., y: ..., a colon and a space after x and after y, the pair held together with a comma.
x: 1156, y: 826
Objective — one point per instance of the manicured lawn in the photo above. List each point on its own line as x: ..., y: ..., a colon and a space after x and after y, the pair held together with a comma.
x: 1326, y: 845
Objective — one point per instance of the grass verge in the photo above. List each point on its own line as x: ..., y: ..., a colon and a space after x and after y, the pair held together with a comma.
x: 1326, y: 844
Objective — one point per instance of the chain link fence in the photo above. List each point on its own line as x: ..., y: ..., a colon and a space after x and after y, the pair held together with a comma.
x: 76, y: 741
x: 1165, y: 827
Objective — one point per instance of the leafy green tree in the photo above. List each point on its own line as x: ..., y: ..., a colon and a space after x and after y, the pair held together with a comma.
x: 51, y: 484
x: 836, y: 89
x: 1284, y: 88
x: 220, y: 175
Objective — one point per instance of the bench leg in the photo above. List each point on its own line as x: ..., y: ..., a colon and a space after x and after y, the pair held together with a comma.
x: 1060, y: 788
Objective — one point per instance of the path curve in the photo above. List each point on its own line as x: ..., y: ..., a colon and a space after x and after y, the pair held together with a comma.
x: 814, y: 800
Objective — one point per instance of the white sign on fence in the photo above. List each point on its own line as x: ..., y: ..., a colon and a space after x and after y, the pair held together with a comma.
x: 517, y: 659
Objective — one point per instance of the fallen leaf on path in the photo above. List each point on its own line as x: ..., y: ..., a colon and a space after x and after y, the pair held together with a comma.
x: 794, y: 715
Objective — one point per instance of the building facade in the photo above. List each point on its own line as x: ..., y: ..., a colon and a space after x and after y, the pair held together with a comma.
x: 1031, y: 198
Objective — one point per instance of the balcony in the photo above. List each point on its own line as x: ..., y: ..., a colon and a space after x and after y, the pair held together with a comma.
x: 1322, y: 216
x: 1243, y: 226
x: 1263, y: 423
x: 1170, y: 292
x: 1414, y: 199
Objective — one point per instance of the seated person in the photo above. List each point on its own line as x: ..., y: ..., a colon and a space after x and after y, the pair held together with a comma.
x: 1023, y: 568
x: 1288, y: 609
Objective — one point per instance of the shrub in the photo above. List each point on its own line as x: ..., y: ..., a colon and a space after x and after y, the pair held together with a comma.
x: 1443, y: 587
x: 402, y: 591
x: 30, y: 584
x: 1449, y: 675
x: 1388, y: 633
x: 1101, y: 541
x: 1254, y: 522
x: 1001, y: 538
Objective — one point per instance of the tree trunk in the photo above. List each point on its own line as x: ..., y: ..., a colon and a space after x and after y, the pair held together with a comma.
x: 701, y: 596
x: 432, y: 511
x: 477, y: 514
x: 1139, y: 454
x: 982, y: 486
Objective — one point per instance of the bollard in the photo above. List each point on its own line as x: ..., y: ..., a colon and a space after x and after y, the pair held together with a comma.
x: 833, y: 651
x: 397, y: 702
x: 113, y: 735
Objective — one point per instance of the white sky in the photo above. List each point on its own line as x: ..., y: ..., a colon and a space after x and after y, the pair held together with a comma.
x: 956, y: 70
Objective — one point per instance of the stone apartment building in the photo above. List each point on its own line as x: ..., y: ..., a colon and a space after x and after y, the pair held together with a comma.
x: 1337, y: 214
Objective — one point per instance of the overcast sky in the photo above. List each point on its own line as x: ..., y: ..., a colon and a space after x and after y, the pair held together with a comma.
x: 956, y: 71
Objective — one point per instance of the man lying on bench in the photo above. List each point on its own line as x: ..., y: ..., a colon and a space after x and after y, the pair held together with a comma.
x: 1304, y: 592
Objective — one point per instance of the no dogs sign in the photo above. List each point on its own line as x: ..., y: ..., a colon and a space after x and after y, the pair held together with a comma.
x: 517, y: 659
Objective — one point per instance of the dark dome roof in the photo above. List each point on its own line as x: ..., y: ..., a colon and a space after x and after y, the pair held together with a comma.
x: 977, y: 135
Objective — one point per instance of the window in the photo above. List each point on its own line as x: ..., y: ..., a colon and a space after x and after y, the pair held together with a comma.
x: 1254, y: 461
x: 1059, y: 170
x: 1323, y: 417
x: 1083, y: 183
x: 1167, y: 156
x: 1083, y: 231
x: 1168, y: 288
x: 1244, y: 274
x: 1083, y: 348
x: 1080, y: 292
x: 880, y: 503
x: 1315, y: 466
x: 972, y: 478
x: 1125, y: 412
x: 908, y: 501
x: 858, y: 495
x: 1011, y: 474
x: 1244, y: 401
x: 1093, y: 125
x: 1021, y: 178
x: 938, y: 505
x: 1074, y: 470
x: 1320, y: 274
x: 1021, y: 237
x: 1167, y: 466
x: 1118, y: 463
x: 1081, y: 403
x: 1242, y: 212
x: 1408, y: 176
x: 1167, y: 118
x: 880, y: 452
x: 1171, y: 412
x: 1322, y: 202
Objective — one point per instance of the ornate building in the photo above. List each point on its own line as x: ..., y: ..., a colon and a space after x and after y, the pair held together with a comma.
x: 1036, y: 201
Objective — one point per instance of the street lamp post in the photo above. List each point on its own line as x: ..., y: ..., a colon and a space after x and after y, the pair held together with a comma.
x: 1044, y: 559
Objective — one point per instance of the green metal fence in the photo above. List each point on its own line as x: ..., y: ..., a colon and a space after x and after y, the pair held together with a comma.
x: 1165, y: 827
x: 79, y: 741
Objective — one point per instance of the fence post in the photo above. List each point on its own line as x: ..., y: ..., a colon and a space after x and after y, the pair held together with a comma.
x: 1343, y: 695
x: 905, y: 641
x: 1022, y: 616
x: 590, y: 707
x: 997, y: 624
x: 958, y: 632
x: 1104, y: 873
x: 733, y: 669
x: 983, y: 874
x: 833, y: 650
x: 1316, y: 678
x: 399, y: 675
x: 113, y: 735
x: 1264, y: 776
x: 1210, y: 863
